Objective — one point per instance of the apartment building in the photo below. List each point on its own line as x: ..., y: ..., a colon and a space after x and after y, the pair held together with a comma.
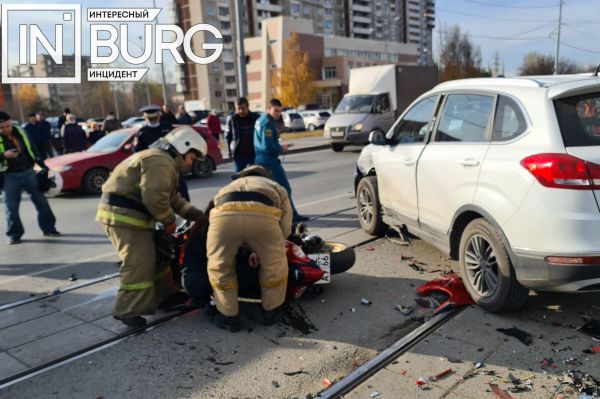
x: 380, y: 27
x: 330, y: 57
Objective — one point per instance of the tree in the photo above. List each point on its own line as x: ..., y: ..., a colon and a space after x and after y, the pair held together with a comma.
x: 460, y: 58
x: 293, y: 82
x: 539, y: 64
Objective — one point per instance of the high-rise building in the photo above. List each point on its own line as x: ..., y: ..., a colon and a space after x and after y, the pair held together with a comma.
x: 381, y: 24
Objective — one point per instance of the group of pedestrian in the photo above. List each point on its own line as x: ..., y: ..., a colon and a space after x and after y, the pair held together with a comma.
x: 254, y: 139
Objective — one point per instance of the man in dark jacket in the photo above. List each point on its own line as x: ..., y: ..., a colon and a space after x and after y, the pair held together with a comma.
x: 183, y: 118
x: 240, y: 135
x: 46, y: 130
x: 63, y: 118
x: 74, y: 138
x: 35, y: 133
x: 111, y: 123
x: 167, y: 117
x: 17, y: 157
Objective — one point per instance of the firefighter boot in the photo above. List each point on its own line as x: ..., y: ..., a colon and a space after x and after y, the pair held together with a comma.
x: 231, y: 323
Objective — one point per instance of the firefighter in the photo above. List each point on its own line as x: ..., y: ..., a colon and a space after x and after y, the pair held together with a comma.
x: 140, y: 191
x: 253, y: 210
x: 267, y: 150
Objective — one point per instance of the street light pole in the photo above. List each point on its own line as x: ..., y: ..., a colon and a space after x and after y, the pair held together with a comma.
x: 240, y: 50
x: 162, y: 69
x: 558, y: 38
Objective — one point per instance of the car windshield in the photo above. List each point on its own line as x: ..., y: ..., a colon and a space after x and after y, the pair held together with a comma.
x: 579, y: 119
x: 109, y: 143
x: 355, y: 105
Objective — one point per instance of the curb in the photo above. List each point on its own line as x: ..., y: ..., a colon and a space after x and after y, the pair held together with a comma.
x: 292, y: 151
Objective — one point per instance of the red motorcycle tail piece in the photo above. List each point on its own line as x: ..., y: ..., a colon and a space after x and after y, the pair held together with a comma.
x: 451, y: 285
x: 303, y: 271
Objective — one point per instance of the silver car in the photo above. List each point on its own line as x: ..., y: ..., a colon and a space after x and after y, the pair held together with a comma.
x: 314, y: 120
x: 293, y: 121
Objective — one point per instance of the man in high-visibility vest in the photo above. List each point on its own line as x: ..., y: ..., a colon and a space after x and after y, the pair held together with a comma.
x: 140, y: 191
x: 17, y: 158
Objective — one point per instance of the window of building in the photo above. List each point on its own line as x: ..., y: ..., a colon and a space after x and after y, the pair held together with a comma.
x: 231, y: 92
x: 306, y: 10
x: 226, y: 38
x: 328, y: 24
x: 215, y: 66
x: 211, y: 11
x: 225, y: 25
x: 223, y: 11
x: 229, y: 79
x: 229, y: 66
x: 329, y: 73
x: 218, y: 93
x: 295, y: 8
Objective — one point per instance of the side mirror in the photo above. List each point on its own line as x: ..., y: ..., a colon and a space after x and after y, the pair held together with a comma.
x: 377, y: 137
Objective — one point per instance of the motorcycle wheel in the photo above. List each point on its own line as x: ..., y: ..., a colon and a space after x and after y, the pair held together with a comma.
x: 342, y: 256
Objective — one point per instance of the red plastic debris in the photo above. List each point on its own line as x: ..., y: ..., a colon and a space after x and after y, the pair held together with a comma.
x: 499, y: 392
x: 403, y: 372
x: 451, y: 285
x: 370, y: 249
x: 421, y: 381
x: 596, y: 349
x: 441, y: 375
x: 326, y: 382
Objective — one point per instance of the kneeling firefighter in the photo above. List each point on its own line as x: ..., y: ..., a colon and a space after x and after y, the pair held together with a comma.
x: 141, y: 191
x: 252, y: 210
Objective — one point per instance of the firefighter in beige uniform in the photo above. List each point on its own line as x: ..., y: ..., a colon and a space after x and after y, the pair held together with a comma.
x: 142, y: 190
x: 252, y: 210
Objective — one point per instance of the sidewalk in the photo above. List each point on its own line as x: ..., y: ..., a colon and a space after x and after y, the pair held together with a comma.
x: 479, y: 355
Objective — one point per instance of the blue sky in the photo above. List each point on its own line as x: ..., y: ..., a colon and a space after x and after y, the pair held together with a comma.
x: 516, y: 27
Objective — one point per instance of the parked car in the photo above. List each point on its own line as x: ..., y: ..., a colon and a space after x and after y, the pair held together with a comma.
x: 314, y: 120
x: 134, y: 121
x: 292, y: 121
x: 501, y: 174
x: 87, y: 171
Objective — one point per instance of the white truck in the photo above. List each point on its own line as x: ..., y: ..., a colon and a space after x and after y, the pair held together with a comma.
x: 377, y: 96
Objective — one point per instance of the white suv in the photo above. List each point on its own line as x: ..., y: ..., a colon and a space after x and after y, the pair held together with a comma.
x: 502, y: 174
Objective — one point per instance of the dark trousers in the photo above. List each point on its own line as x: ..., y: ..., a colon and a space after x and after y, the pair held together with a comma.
x: 14, y: 185
x: 239, y: 163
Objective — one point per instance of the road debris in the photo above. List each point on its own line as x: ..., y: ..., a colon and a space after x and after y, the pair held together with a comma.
x: 275, y: 384
x: 73, y: 277
x: 580, y: 382
x: 523, y: 336
x: 293, y: 373
x: 371, y: 248
x: 452, y: 287
x: 405, y: 310
x: 591, y: 328
x: 478, y: 365
x: 499, y: 392
x: 416, y: 266
x: 442, y: 375
x: 365, y: 301
x: 374, y: 394
x: 519, y: 385
x: 422, y: 381
x: 326, y: 382
x: 353, y: 310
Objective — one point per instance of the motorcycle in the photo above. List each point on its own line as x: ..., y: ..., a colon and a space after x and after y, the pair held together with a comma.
x: 311, y: 262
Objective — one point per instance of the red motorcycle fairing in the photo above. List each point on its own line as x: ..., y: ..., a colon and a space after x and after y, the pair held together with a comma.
x: 303, y: 271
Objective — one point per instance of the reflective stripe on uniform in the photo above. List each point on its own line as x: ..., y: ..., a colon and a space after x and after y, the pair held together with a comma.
x: 105, y: 215
x: 225, y: 287
x: 249, y: 207
x: 145, y: 284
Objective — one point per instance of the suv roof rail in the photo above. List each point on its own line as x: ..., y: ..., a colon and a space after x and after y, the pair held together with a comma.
x: 486, y: 82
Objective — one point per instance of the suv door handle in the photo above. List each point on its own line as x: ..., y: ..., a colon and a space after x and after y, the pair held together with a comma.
x: 409, y: 162
x: 470, y: 162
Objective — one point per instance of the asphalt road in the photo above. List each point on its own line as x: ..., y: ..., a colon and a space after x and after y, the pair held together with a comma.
x: 319, y: 180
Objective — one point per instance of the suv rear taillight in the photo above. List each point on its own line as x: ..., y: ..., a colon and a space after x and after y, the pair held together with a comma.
x: 563, y: 171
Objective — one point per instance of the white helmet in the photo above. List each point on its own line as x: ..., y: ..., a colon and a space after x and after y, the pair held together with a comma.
x: 184, y: 139
x: 58, y: 181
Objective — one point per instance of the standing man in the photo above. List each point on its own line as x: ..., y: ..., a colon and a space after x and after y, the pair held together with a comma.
x: 17, y: 157
x: 167, y: 118
x: 240, y: 135
x: 46, y: 130
x: 252, y: 210
x: 213, y: 124
x: 34, y: 134
x: 63, y: 118
x: 111, y: 123
x: 183, y: 118
x: 267, y: 150
x: 141, y: 191
x: 152, y: 130
x: 74, y: 137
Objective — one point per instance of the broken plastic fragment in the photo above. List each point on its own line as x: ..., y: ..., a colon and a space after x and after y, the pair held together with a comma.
x: 374, y: 394
x: 73, y: 277
x: 353, y: 310
x: 478, y: 365
x: 499, y: 392
x: 441, y: 375
x: 405, y: 310
x: 421, y: 381
x: 596, y: 348
x: 365, y: 301
x: 326, y: 382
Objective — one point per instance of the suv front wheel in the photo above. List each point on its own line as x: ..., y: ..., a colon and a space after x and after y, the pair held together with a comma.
x: 368, y: 207
x: 486, y: 269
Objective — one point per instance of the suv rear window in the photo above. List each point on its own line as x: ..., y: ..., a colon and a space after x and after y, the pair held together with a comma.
x: 324, y: 114
x: 579, y: 119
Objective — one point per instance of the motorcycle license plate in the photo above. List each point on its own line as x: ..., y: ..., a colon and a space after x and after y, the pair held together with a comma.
x: 324, y: 262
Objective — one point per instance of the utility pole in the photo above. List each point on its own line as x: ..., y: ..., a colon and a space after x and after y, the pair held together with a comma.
x: 243, y: 83
x: 162, y: 69
x: 558, y: 38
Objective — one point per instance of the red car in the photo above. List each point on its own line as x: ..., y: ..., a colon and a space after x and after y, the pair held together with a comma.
x: 87, y: 171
